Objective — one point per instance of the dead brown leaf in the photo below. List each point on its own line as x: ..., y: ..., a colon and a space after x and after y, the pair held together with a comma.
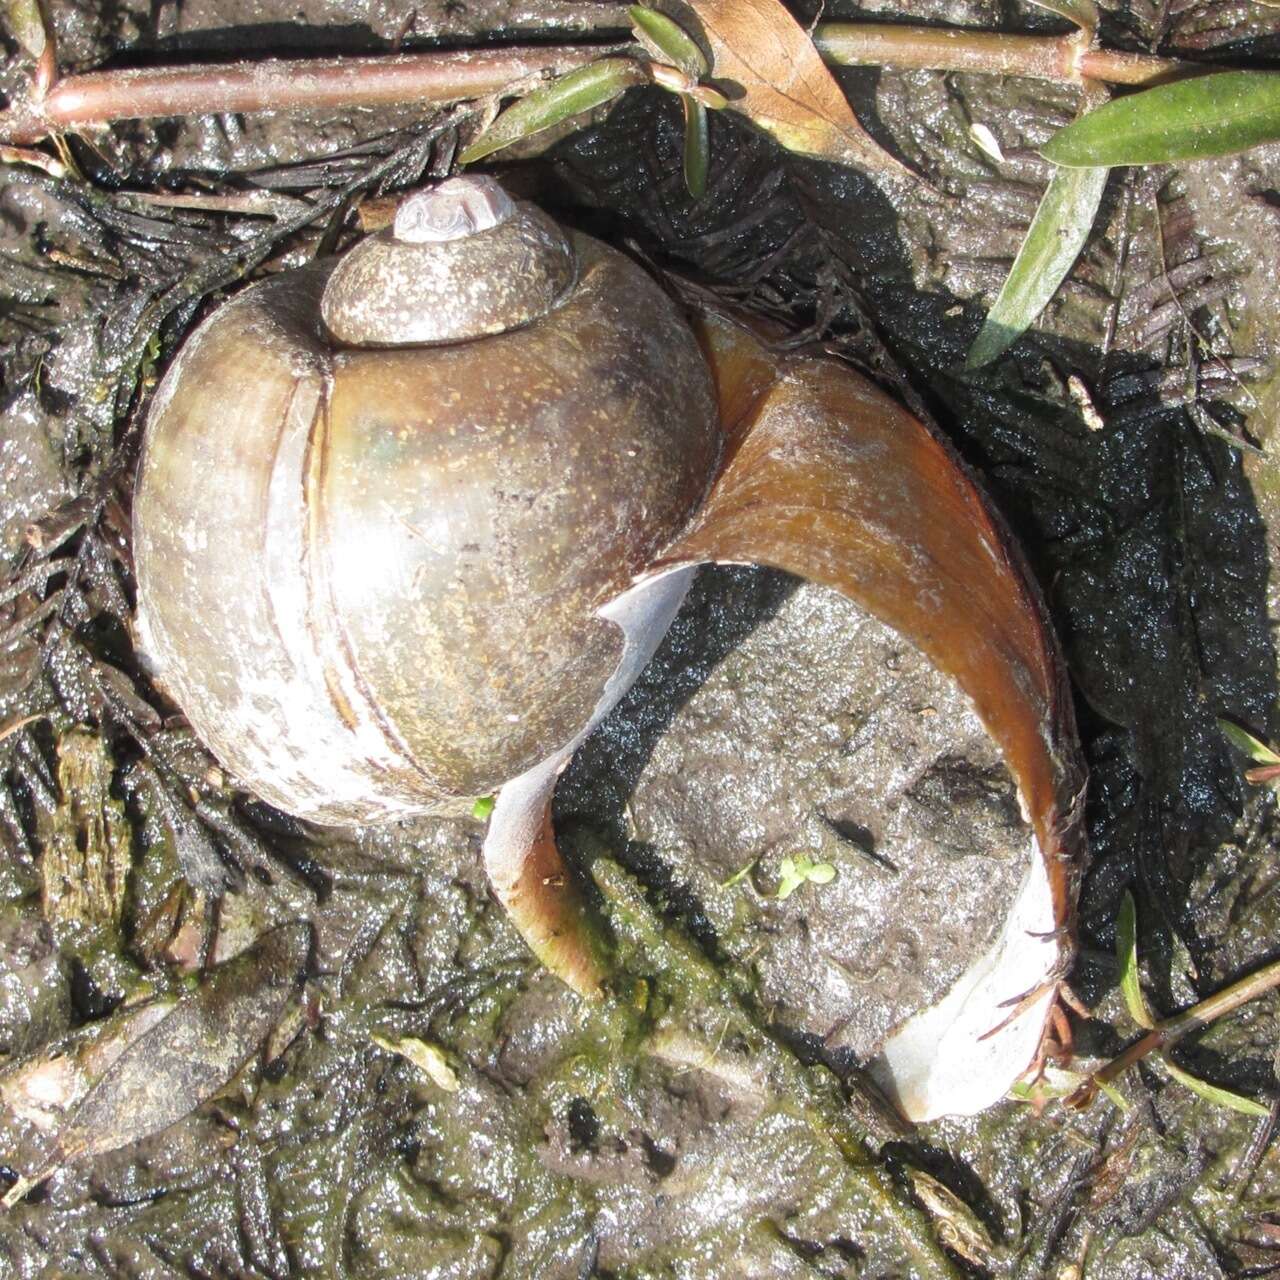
x: 772, y: 73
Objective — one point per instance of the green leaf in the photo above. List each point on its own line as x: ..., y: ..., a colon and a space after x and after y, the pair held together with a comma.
x: 1052, y: 244
x: 1211, y: 115
x: 1127, y: 958
x: 1117, y: 1099
x: 580, y: 91
x: 482, y: 808
x: 667, y: 39
x: 697, y: 147
x: 1213, y: 1093
x: 1245, y: 742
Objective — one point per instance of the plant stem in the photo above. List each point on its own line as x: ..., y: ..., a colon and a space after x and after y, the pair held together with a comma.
x: 850, y: 44
x: 278, y: 84
x: 1168, y: 1032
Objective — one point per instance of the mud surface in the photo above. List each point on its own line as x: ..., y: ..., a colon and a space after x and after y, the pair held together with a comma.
x: 776, y: 721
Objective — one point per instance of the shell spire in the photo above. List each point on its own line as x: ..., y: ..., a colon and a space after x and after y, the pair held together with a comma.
x: 461, y: 260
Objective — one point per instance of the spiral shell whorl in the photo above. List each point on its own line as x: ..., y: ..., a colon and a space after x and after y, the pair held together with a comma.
x: 461, y: 261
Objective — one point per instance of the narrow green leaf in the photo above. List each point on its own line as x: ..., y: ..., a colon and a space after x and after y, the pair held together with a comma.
x: 27, y: 25
x: 740, y: 874
x: 1053, y: 242
x: 1245, y: 742
x: 1127, y: 958
x: 667, y: 39
x: 1219, y: 1096
x: 697, y: 147
x: 1211, y: 115
x: 581, y: 90
x: 1118, y: 1100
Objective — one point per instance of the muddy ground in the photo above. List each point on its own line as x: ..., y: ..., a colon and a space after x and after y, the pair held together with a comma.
x: 776, y: 720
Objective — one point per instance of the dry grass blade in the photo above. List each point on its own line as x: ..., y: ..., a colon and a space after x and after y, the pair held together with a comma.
x: 777, y: 79
x: 1084, y: 13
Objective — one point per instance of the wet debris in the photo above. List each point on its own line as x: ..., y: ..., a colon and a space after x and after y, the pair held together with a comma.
x: 85, y: 840
x: 148, y: 1065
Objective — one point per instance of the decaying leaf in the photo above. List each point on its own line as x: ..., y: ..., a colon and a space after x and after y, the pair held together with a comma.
x: 25, y: 22
x: 84, y: 865
x: 147, y: 1066
x: 958, y: 1227
x: 427, y: 1057
x: 772, y: 73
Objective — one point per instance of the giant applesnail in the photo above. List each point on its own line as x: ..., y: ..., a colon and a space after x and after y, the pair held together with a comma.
x: 410, y: 521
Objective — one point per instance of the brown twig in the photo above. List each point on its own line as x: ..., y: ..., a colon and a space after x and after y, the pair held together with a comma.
x: 277, y: 84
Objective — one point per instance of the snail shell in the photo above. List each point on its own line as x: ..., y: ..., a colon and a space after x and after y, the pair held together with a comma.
x: 409, y: 524
x: 370, y: 573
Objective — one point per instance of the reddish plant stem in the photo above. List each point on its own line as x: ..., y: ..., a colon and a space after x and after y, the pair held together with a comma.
x: 988, y: 52
x: 278, y: 84
x: 1167, y: 1033
x: 102, y: 97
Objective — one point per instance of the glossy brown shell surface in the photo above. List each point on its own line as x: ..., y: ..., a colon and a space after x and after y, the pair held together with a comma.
x: 369, y: 578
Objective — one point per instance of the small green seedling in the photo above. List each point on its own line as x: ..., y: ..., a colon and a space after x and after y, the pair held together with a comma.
x: 801, y: 870
x: 482, y: 808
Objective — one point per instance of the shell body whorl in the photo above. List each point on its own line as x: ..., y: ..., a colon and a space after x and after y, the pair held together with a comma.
x: 386, y: 601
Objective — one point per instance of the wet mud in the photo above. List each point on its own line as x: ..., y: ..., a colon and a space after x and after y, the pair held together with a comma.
x: 776, y: 721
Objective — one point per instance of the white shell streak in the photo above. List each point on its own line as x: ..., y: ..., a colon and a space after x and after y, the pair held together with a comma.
x: 966, y: 1052
x: 644, y: 614
x: 270, y: 697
